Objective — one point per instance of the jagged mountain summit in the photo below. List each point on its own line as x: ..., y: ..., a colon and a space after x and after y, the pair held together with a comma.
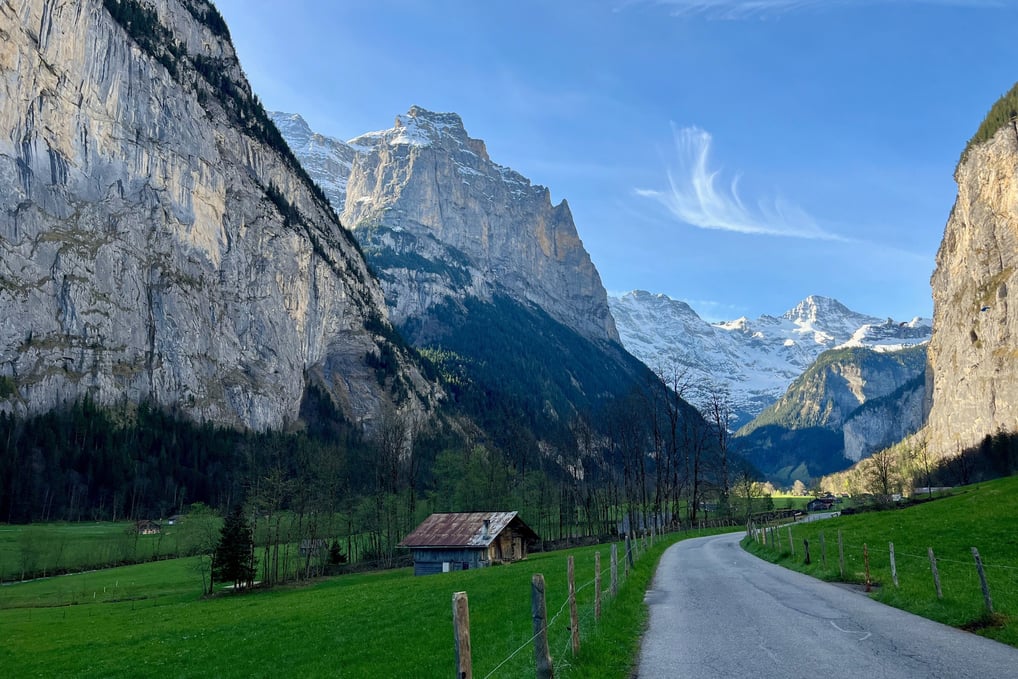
x: 441, y: 221
x: 480, y: 271
x: 756, y: 360
x: 159, y: 241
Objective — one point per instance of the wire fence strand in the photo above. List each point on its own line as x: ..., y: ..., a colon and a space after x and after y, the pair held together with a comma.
x: 551, y: 623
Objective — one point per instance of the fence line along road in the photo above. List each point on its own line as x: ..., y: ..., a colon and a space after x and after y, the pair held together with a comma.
x: 717, y: 611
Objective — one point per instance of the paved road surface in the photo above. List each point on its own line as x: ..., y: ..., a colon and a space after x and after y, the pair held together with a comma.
x: 717, y: 611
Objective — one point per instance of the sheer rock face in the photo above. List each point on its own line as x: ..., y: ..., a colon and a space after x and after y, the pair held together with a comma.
x: 839, y: 383
x: 884, y: 422
x: 440, y: 221
x: 973, y: 356
x: 141, y: 255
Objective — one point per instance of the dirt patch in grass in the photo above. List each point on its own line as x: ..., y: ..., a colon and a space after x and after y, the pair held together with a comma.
x: 988, y: 621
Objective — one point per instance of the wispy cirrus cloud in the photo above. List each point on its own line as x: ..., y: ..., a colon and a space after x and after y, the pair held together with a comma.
x: 747, y: 9
x: 697, y: 196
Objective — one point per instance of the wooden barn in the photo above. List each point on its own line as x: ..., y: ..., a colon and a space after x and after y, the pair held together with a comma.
x: 461, y: 541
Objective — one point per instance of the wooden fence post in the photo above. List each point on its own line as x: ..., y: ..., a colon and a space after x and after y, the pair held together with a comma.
x: 866, y: 561
x: 841, y: 555
x: 597, y: 585
x: 615, y: 570
x: 791, y: 543
x: 461, y: 633
x: 823, y: 550
x: 982, y: 581
x: 630, y: 546
x: 894, y: 566
x: 574, y: 619
x: 538, y: 607
x: 936, y: 574
x: 805, y: 546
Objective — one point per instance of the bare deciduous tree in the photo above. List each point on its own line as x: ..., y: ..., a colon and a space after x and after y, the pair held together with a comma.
x: 923, y: 460
x: 718, y: 411
x: 882, y: 474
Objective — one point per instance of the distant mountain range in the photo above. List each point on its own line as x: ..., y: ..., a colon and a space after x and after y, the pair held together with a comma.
x: 756, y: 360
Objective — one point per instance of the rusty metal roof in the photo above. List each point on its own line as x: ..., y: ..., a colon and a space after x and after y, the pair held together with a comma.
x: 463, y: 529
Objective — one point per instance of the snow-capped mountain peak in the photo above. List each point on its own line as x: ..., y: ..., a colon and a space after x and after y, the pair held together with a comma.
x: 826, y: 321
x: 421, y: 127
x: 293, y: 127
x: 815, y: 309
x: 756, y: 359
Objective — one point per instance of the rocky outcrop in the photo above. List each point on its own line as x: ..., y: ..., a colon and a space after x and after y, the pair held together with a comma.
x: 440, y: 221
x: 883, y: 422
x: 973, y: 356
x: 157, y: 239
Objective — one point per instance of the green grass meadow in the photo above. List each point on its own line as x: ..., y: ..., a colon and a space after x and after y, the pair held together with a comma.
x: 75, y: 546
x: 149, y: 620
x: 981, y: 516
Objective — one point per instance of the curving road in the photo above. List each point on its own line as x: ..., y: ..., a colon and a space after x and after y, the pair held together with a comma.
x: 717, y: 611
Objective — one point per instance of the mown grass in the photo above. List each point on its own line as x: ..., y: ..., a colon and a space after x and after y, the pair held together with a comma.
x: 980, y: 516
x: 149, y: 620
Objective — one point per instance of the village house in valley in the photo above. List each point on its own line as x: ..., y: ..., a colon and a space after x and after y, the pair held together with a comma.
x: 461, y: 541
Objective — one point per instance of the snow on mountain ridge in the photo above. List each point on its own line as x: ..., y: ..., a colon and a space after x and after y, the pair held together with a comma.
x: 420, y: 127
x: 331, y: 160
x: 755, y: 359
x: 327, y: 159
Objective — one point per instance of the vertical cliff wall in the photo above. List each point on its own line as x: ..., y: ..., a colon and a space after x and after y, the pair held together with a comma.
x: 157, y: 239
x: 973, y: 355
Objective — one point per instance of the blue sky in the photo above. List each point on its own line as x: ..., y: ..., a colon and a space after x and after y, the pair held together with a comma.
x: 736, y: 154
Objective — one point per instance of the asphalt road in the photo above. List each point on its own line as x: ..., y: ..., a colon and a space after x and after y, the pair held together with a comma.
x: 717, y: 611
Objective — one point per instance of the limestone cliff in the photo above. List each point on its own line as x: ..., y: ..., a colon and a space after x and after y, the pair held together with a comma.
x: 882, y: 422
x: 849, y: 404
x: 440, y: 221
x: 838, y: 383
x: 158, y: 240
x: 973, y: 355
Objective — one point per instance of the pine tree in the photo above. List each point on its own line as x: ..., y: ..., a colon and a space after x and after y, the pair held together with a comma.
x: 234, y: 558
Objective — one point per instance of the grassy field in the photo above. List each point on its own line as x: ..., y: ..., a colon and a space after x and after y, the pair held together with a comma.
x: 58, y: 547
x: 35, y: 550
x: 149, y: 620
x: 979, y: 516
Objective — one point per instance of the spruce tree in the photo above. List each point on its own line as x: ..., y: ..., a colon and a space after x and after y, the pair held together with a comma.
x: 234, y: 557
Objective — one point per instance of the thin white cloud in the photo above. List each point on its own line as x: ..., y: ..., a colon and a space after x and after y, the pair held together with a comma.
x: 697, y: 196
x: 747, y: 9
